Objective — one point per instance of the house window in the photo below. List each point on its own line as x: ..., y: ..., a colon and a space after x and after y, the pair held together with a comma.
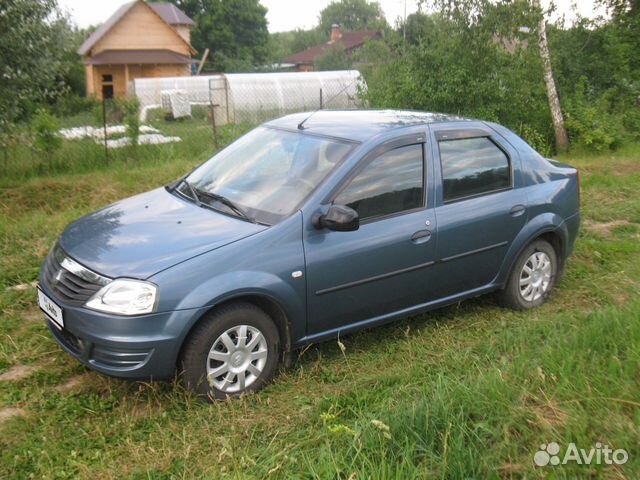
x: 472, y: 166
x: 107, y: 78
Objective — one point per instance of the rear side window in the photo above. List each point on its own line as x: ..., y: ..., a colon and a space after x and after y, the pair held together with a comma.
x: 391, y: 183
x: 472, y: 166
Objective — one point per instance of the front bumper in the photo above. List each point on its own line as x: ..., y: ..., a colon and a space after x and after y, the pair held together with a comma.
x: 137, y: 348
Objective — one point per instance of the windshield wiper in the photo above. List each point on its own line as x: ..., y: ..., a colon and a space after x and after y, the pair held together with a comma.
x: 196, y: 195
x: 227, y: 202
x: 194, y: 192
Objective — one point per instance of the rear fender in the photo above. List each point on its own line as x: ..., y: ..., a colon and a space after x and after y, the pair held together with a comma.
x: 539, y: 225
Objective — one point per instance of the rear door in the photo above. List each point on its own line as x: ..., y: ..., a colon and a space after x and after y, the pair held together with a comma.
x: 385, y: 265
x: 479, y: 207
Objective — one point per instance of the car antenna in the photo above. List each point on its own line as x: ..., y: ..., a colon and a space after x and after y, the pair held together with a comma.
x: 301, y: 124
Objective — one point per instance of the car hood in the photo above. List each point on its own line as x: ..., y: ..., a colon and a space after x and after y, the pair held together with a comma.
x: 141, y: 235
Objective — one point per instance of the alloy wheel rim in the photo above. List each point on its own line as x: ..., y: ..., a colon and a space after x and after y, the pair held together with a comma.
x: 236, y: 359
x: 535, y: 277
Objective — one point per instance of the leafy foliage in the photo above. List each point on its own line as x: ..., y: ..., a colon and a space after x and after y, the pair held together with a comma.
x: 130, y: 108
x: 336, y: 58
x: 29, y: 57
x: 46, y: 137
x: 352, y: 15
x: 474, y: 58
x: 234, y: 30
x: 284, y: 44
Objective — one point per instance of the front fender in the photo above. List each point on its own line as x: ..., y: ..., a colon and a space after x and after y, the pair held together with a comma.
x: 225, y: 287
x: 543, y: 223
x: 262, y: 264
x: 231, y: 285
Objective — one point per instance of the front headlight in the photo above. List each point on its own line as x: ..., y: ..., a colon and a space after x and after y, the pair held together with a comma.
x: 125, y: 297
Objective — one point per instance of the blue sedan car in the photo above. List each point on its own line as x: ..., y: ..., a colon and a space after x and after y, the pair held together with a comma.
x: 303, y: 229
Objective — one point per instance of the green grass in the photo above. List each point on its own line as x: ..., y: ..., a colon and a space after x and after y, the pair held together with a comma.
x: 469, y: 391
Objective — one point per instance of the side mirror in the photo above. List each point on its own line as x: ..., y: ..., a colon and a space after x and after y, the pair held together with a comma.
x: 339, y: 218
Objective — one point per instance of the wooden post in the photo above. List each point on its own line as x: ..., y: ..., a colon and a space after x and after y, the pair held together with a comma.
x: 126, y: 79
x: 562, y: 141
x: 202, y: 61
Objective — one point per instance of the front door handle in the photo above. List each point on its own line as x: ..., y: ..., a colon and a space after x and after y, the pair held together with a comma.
x: 421, y: 236
x: 517, y: 210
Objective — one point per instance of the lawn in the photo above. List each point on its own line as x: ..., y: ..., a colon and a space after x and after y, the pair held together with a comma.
x: 468, y: 391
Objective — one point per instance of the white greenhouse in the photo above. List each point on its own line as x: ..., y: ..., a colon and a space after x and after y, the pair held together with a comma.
x: 254, y: 97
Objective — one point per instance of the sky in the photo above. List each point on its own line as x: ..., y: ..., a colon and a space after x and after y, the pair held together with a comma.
x: 284, y: 15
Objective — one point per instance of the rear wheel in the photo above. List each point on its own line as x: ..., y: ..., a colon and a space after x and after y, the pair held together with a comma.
x: 532, y: 278
x: 233, y: 350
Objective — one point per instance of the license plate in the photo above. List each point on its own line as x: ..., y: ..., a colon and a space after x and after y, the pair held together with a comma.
x: 53, y: 311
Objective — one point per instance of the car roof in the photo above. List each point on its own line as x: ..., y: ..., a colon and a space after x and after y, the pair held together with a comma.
x: 359, y: 125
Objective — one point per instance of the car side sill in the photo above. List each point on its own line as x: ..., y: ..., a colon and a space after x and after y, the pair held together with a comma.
x: 389, y: 317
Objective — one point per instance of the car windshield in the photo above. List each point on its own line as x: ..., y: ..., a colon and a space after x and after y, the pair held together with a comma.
x: 266, y: 173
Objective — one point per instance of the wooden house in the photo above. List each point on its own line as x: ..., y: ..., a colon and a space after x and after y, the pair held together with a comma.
x: 139, y: 40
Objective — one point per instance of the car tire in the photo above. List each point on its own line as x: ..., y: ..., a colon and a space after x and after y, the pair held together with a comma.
x: 532, y: 278
x: 233, y: 350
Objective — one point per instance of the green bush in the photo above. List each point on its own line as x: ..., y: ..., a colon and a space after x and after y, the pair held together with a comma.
x: 46, y: 136
x: 72, y: 104
x: 130, y: 108
x: 534, y: 138
x: 590, y: 123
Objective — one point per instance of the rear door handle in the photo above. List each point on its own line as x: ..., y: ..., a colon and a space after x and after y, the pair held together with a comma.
x: 421, y: 236
x: 517, y: 210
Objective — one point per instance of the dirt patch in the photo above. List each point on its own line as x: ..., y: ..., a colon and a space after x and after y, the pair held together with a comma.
x: 17, y: 372
x: 605, y: 228
x: 72, y: 384
x: 33, y: 315
x: 23, y: 286
x: 7, y: 413
x: 624, y: 169
x: 550, y: 414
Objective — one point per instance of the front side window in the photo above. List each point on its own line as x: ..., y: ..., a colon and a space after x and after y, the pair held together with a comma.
x: 391, y: 183
x: 268, y: 172
x: 472, y: 166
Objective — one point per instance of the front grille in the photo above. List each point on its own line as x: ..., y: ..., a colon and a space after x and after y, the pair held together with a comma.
x: 68, y: 287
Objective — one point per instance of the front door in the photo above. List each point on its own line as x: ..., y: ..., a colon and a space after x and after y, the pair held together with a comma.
x: 385, y: 265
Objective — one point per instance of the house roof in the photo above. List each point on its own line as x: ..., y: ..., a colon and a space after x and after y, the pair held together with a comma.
x: 348, y: 41
x: 102, y: 30
x: 138, y: 57
x: 171, y: 14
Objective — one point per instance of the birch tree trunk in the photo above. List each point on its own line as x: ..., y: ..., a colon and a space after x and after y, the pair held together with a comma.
x: 562, y: 141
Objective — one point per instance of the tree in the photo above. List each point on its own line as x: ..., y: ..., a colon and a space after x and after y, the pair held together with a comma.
x: 562, y: 141
x: 30, y: 58
x: 352, y: 15
x: 234, y: 30
x: 336, y: 58
x: 284, y: 44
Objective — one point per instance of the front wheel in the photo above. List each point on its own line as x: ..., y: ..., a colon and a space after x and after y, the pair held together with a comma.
x: 233, y: 350
x: 532, y: 278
